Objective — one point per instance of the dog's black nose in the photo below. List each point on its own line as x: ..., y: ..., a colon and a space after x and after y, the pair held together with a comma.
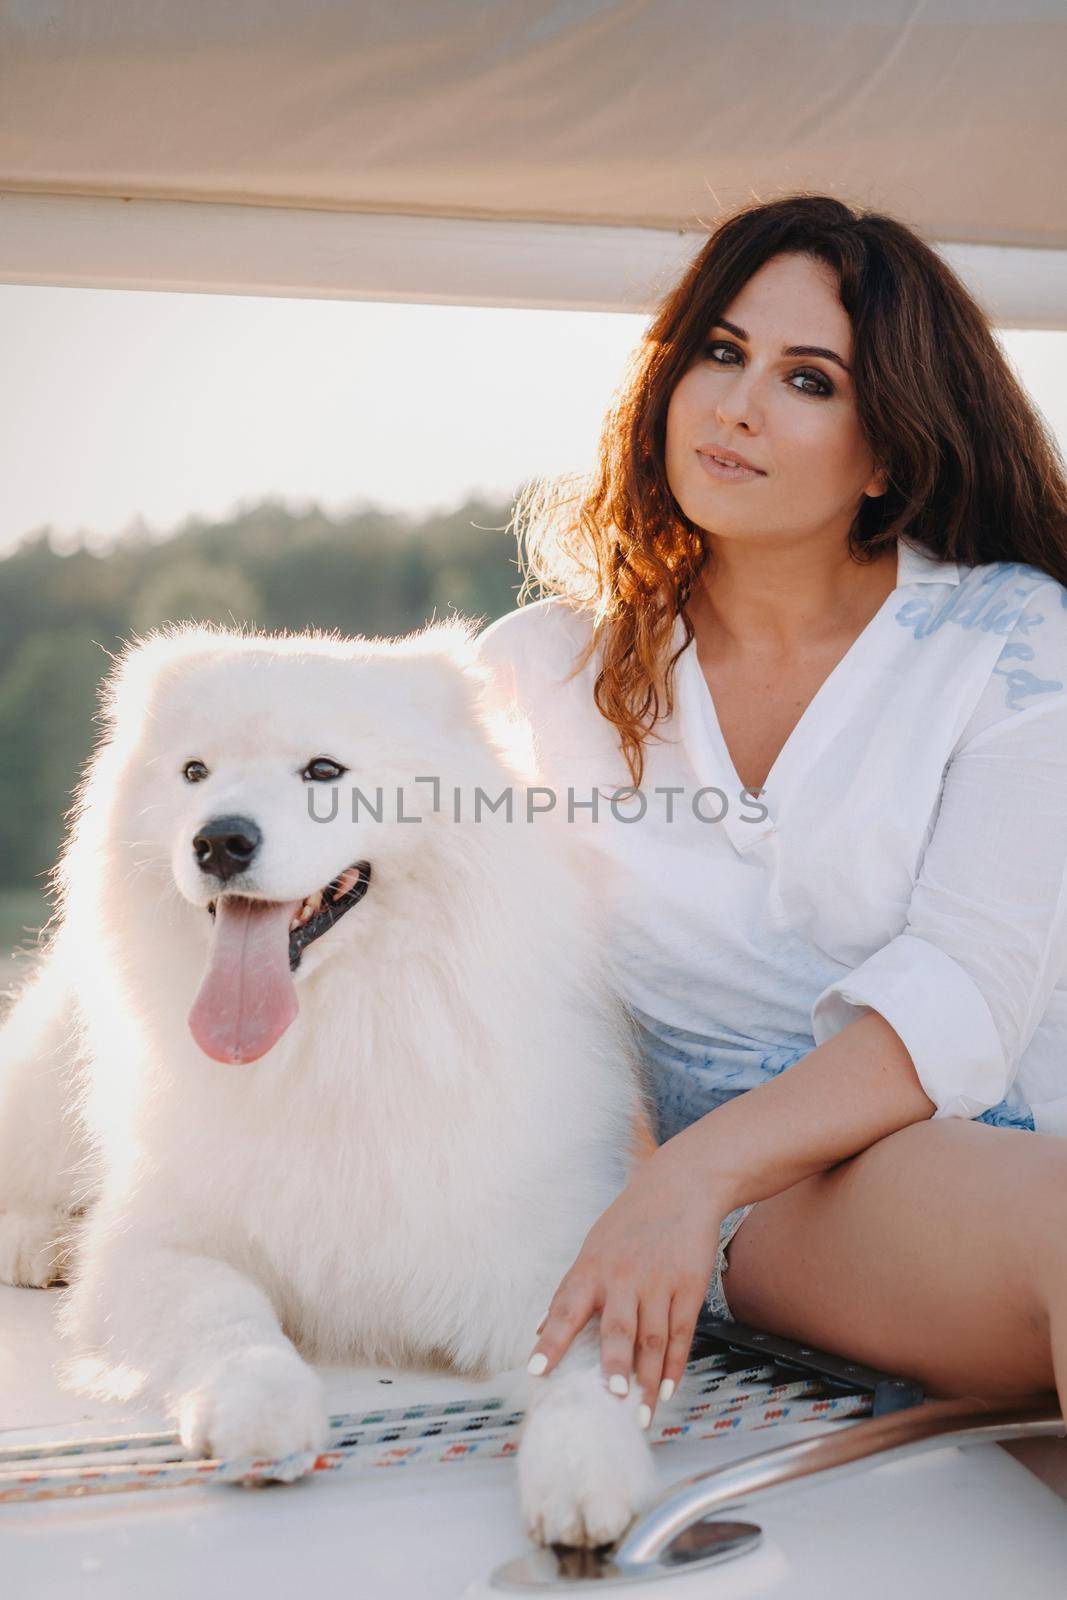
x: 226, y: 845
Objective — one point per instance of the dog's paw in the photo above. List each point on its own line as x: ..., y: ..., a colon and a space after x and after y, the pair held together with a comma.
x: 263, y: 1402
x: 33, y: 1247
x: 584, y: 1466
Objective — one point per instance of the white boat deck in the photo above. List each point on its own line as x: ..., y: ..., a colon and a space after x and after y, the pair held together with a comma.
x: 953, y: 1522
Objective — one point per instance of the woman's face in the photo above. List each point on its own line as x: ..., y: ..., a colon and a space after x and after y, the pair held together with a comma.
x: 761, y: 388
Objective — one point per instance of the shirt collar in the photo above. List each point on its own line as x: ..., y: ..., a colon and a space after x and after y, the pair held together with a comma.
x: 916, y: 565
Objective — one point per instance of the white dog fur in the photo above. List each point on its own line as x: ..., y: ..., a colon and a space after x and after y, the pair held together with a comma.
x: 408, y: 1171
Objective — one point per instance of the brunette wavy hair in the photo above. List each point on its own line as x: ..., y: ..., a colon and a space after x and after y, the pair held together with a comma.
x: 973, y: 473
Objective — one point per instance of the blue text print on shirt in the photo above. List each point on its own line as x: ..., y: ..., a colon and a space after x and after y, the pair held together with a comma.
x: 989, y: 601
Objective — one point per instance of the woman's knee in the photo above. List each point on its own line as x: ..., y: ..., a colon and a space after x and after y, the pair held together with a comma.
x: 947, y: 1209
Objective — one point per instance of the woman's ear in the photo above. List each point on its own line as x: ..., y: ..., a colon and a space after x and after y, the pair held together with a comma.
x: 878, y: 484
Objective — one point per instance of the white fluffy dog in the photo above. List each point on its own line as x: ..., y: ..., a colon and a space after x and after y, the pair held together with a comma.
x: 306, y: 1069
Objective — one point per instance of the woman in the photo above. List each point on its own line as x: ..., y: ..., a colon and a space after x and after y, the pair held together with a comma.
x: 813, y: 604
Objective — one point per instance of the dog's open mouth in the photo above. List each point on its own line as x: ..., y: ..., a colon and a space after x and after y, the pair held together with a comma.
x: 246, y: 998
x: 319, y: 911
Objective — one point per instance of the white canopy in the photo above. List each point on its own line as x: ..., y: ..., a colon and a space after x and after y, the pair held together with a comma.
x: 518, y: 152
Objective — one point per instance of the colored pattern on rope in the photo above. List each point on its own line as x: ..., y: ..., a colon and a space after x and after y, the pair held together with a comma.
x: 713, y: 1399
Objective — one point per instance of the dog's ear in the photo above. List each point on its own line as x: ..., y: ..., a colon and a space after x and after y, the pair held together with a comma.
x: 147, y: 661
x: 457, y: 678
x: 456, y: 639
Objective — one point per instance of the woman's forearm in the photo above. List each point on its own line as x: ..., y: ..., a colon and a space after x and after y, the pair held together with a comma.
x: 854, y: 1089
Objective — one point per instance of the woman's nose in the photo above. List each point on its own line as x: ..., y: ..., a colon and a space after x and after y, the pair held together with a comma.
x: 738, y: 403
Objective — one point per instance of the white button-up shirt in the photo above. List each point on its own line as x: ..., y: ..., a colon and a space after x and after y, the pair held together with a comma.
x: 907, y: 854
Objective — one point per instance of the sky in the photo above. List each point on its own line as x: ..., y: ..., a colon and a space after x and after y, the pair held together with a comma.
x: 119, y: 407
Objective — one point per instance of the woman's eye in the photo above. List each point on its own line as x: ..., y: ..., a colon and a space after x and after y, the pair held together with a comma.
x: 807, y: 375
x: 323, y: 770
x: 730, y: 349
x: 194, y: 772
x: 811, y: 380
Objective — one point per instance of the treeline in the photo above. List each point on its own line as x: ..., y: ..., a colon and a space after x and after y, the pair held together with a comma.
x: 371, y: 572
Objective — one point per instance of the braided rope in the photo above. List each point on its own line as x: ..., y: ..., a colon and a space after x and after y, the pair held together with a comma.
x: 713, y: 1399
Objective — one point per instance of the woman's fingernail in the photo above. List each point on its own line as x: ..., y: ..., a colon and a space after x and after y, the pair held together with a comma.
x: 644, y: 1415
x: 666, y: 1388
x: 618, y: 1384
x: 537, y: 1365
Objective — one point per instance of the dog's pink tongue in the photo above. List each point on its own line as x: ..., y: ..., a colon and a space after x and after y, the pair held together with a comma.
x: 246, y: 999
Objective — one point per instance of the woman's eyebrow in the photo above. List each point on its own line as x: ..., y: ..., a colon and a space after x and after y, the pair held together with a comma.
x: 791, y: 350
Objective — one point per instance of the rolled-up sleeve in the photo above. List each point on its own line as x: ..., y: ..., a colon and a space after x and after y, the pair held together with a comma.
x: 968, y: 979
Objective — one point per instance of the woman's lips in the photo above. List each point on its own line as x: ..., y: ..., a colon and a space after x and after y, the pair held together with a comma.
x: 725, y: 472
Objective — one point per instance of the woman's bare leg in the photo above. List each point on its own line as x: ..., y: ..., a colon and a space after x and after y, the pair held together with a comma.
x: 939, y: 1253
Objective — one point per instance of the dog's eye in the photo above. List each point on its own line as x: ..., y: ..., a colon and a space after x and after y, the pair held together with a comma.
x: 323, y: 770
x: 194, y: 772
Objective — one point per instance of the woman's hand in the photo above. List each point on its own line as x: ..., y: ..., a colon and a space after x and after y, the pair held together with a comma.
x: 645, y: 1267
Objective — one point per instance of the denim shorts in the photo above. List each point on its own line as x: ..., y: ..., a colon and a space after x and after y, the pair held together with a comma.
x: 690, y: 1074
x: 715, y: 1302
